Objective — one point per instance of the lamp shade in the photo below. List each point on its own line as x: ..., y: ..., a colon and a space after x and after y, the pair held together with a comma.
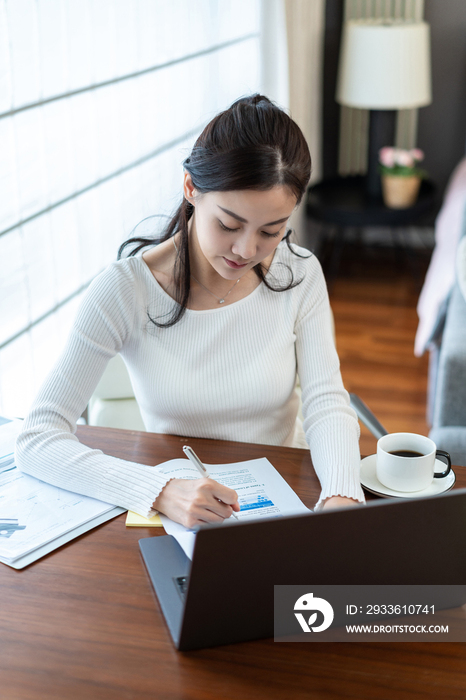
x: 384, y: 65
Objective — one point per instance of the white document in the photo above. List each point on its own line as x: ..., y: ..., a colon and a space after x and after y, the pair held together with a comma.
x: 36, y: 517
x: 33, y: 513
x: 262, y: 493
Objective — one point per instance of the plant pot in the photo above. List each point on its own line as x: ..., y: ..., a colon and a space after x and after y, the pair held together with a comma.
x: 400, y: 192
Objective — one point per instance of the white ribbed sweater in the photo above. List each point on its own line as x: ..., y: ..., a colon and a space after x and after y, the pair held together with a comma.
x: 226, y: 373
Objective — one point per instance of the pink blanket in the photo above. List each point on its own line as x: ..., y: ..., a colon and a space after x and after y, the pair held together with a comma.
x: 441, y: 273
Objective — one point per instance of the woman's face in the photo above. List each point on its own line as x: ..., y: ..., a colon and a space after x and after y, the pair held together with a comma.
x: 239, y: 229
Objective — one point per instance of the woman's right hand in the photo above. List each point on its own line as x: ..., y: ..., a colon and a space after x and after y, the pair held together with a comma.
x: 193, y: 502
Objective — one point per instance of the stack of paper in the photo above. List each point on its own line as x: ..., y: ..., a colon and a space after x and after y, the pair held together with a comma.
x: 262, y: 493
x: 35, y: 517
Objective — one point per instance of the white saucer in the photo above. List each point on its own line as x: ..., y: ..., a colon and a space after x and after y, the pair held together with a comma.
x: 369, y: 481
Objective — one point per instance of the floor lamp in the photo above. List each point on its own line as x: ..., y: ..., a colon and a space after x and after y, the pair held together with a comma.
x: 384, y: 66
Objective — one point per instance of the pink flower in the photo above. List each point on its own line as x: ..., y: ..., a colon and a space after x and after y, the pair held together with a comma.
x: 404, y: 158
x: 417, y: 154
x: 387, y: 156
x: 394, y: 158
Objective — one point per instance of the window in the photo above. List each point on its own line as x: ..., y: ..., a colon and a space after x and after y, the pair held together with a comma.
x: 99, y: 105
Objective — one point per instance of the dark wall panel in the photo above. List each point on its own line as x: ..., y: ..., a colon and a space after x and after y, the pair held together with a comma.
x: 331, y: 109
x: 442, y: 125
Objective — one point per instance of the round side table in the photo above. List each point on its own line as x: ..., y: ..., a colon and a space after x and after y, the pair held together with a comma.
x: 342, y: 202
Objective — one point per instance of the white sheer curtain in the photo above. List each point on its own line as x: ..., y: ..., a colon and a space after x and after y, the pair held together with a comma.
x: 305, y: 25
x: 99, y: 102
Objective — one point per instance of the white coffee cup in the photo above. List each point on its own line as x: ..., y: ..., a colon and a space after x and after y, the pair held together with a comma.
x: 414, y: 468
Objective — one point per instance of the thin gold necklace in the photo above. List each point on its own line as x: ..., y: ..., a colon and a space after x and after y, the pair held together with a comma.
x: 221, y: 300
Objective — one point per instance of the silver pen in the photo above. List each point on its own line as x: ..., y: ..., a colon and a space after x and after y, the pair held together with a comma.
x: 192, y: 456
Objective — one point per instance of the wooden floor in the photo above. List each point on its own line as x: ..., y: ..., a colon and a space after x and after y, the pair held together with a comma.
x: 374, y: 299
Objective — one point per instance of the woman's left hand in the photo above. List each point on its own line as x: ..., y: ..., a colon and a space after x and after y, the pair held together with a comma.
x: 339, y: 502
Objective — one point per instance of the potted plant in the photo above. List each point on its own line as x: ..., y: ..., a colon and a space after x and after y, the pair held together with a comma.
x: 401, y: 176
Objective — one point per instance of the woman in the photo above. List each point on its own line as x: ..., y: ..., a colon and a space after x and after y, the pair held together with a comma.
x: 214, y: 320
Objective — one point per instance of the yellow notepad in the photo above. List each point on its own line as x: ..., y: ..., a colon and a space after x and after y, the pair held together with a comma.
x: 135, y: 520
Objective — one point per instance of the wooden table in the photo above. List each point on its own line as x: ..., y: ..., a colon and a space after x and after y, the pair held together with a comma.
x: 83, y: 621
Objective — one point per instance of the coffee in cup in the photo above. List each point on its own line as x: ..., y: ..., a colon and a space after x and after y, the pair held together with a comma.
x: 406, y: 462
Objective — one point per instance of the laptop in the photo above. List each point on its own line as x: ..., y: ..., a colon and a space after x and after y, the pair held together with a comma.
x: 226, y: 593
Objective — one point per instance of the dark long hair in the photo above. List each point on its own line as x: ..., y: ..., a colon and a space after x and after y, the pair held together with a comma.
x: 253, y: 145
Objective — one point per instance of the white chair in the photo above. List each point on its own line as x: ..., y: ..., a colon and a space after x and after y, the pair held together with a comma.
x: 112, y: 404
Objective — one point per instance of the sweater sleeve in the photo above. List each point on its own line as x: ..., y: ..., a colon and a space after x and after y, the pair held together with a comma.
x: 48, y: 447
x: 330, y: 424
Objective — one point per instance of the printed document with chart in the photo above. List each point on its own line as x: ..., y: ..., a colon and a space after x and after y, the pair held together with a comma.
x: 35, y: 517
x: 262, y: 493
